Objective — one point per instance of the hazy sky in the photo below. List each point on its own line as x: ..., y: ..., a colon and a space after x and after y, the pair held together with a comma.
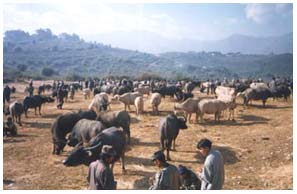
x: 173, y: 21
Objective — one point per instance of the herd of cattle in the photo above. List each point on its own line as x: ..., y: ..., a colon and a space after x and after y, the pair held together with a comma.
x: 87, y: 131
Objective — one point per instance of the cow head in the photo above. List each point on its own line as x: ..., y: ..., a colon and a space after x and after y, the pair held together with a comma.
x: 59, y: 146
x: 77, y: 156
x: 72, y: 141
x: 81, y: 155
x: 182, y: 123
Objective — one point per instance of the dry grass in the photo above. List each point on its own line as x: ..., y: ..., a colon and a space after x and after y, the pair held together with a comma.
x: 257, y: 148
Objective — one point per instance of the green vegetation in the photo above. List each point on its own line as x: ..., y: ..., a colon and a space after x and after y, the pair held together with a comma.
x: 68, y: 56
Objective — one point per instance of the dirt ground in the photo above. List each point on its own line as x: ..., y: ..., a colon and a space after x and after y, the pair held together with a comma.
x: 257, y: 147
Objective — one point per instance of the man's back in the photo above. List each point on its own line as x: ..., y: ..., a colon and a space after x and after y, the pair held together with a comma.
x: 100, y: 176
x: 167, y: 179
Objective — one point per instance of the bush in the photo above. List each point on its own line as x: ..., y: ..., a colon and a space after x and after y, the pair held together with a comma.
x: 47, y: 71
x: 22, y: 67
x: 149, y: 76
x: 73, y: 77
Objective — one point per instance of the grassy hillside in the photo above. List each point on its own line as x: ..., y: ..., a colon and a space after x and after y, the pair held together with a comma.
x: 70, y: 56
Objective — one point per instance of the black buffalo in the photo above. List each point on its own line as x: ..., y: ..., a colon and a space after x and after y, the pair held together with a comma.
x: 167, y: 91
x: 64, y: 125
x: 35, y: 101
x: 169, y: 129
x: 182, y: 96
x: 260, y: 93
x: 281, y: 91
x: 120, y: 90
x: 83, y: 131
x: 85, y: 155
x: 116, y: 119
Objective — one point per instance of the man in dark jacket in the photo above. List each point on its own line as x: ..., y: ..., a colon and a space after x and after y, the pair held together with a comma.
x: 189, y: 179
x: 167, y: 178
x: 100, y: 176
x: 6, y: 93
x: 60, y: 98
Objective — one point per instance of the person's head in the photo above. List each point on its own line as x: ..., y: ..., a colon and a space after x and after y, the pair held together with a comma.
x: 204, y: 145
x: 159, y: 159
x: 108, y: 154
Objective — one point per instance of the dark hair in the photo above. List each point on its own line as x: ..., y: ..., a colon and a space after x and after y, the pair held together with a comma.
x: 203, y: 143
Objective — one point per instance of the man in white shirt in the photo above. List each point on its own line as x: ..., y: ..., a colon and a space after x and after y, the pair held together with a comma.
x: 212, y: 175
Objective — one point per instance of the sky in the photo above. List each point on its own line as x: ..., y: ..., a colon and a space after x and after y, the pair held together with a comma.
x: 173, y: 21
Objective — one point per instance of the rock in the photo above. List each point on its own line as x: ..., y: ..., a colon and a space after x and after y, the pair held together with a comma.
x: 265, y: 138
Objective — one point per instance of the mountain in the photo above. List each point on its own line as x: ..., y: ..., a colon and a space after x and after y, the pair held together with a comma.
x: 46, y: 55
x: 153, y: 43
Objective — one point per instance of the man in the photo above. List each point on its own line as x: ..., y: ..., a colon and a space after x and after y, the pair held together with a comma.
x: 60, y: 98
x: 167, y: 178
x: 6, y: 93
x: 189, y: 180
x: 100, y: 176
x: 212, y: 174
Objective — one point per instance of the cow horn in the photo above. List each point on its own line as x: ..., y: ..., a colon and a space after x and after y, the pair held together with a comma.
x: 94, y: 147
x: 185, y: 118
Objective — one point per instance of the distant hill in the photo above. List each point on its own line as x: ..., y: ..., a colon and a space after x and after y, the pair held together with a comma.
x: 153, y: 43
x: 70, y: 56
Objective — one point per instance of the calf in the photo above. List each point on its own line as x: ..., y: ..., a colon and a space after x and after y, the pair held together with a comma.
x: 155, y: 102
x: 210, y: 106
x: 16, y: 110
x: 139, y: 105
x: 189, y: 106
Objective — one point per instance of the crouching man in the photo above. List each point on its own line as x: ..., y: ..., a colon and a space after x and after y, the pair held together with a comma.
x: 167, y: 178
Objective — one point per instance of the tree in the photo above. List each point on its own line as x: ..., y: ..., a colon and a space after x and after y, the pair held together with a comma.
x: 47, y: 71
x: 22, y: 67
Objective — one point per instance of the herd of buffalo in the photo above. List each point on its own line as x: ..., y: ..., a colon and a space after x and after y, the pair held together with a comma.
x: 88, y: 130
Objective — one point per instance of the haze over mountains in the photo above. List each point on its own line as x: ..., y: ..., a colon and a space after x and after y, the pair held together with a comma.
x: 153, y: 43
x: 46, y: 55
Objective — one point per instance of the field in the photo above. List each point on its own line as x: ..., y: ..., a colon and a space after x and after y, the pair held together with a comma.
x: 257, y: 147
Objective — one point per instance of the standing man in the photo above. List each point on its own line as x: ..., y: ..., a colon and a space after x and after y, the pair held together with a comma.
x: 167, y: 178
x: 6, y: 93
x: 212, y: 175
x: 100, y: 176
x: 60, y: 97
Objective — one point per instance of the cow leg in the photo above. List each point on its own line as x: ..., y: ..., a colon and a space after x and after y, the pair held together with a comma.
x: 201, y: 118
x: 123, y: 162
x: 264, y: 101
x: 174, y: 145
x: 39, y: 110
x: 162, y: 143
x: 196, y: 117
x: 35, y: 111
x: 19, y: 118
x: 128, y: 136
x: 190, y: 116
